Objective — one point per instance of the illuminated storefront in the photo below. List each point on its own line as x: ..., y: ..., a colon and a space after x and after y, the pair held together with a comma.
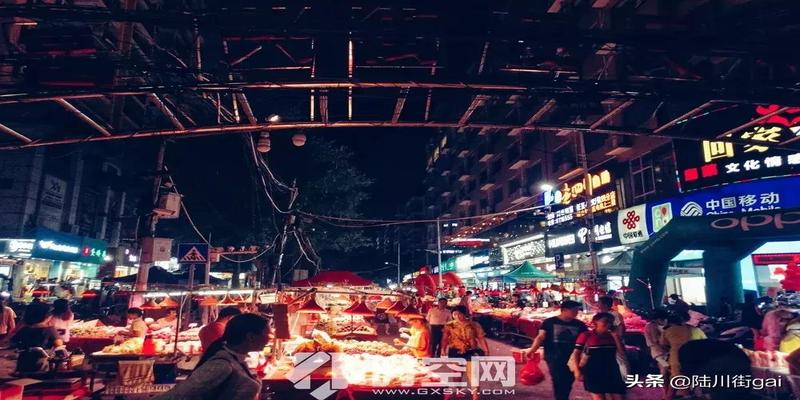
x: 52, y: 257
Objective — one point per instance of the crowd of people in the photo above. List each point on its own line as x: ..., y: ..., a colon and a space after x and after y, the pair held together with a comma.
x: 593, y: 355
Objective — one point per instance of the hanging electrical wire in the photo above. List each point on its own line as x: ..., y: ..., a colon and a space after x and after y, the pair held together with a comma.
x: 374, y: 223
x: 203, y: 237
x: 261, y: 176
x: 303, y: 251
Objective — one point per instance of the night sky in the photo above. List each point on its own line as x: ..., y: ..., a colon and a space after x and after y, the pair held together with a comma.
x: 212, y: 173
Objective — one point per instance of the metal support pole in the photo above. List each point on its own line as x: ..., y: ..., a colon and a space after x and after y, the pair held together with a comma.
x: 289, y: 221
x: 590, y: 220
x: 398, y: 264
x: 152, y: 220
x: 439, y: 249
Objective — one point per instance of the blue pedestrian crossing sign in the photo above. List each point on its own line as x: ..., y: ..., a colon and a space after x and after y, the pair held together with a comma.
x: 193, y: 253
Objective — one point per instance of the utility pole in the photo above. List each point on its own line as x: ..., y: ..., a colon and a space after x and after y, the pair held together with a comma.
x: 439, y: 249
x: 152, y: 219
x: 289, y: 221
x: 584, y: 160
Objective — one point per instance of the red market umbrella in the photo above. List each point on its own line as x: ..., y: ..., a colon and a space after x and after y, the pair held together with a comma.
x: 342, y: 278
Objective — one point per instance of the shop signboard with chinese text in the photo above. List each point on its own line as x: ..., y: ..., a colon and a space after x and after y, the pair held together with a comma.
x: 448, y: 265
x: 713, y: 162
x: 575, y: 240
x: 572, y: 200
x: 632, y: 224
x: 745, y: 197
x: 466, y: 262
x: 524, y: 249
x: 93, y: 251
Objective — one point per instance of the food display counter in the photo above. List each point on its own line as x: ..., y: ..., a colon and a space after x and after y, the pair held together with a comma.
x: 361, y: 368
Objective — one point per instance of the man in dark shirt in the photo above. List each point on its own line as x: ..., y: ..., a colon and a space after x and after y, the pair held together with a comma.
x: 558, y: 335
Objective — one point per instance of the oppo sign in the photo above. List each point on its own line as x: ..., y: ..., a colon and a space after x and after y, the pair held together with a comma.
x: 745, y: 223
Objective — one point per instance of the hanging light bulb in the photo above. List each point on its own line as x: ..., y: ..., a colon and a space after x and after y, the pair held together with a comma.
x: 264, y: 144
x: 299, y: 139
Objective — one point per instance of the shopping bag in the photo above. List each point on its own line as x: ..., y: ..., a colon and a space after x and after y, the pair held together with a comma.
x: 531, y: 374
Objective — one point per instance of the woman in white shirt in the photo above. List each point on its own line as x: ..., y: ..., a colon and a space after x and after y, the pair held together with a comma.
x: 62, y: 318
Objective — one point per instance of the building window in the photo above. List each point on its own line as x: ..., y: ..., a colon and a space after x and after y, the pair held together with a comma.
x: 498, y: 196
x: 529, y: 142
x: 642, y: 179
x: 513, y: 186
x: 563, y: 159
x: 484, y: 176
x: 533, y: 175
x: 497, y: 165
x: 513, y: 153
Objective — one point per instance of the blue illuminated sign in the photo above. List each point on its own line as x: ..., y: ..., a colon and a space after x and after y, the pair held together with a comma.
x: 745, y: 197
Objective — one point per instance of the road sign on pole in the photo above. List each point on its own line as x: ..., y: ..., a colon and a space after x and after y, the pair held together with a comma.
x: 193, y: 253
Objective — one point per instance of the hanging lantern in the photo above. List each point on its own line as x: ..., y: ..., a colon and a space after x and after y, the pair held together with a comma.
x: 209, y: 301
x: 299, y: 139
x: 41, y: 291
x: 359, y: 309
x: 264, y: 145
x: 228, y: 301
x: 311, y: 307
x: 168, y: 303
x: 396, y: 308
x: 150, y: 304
